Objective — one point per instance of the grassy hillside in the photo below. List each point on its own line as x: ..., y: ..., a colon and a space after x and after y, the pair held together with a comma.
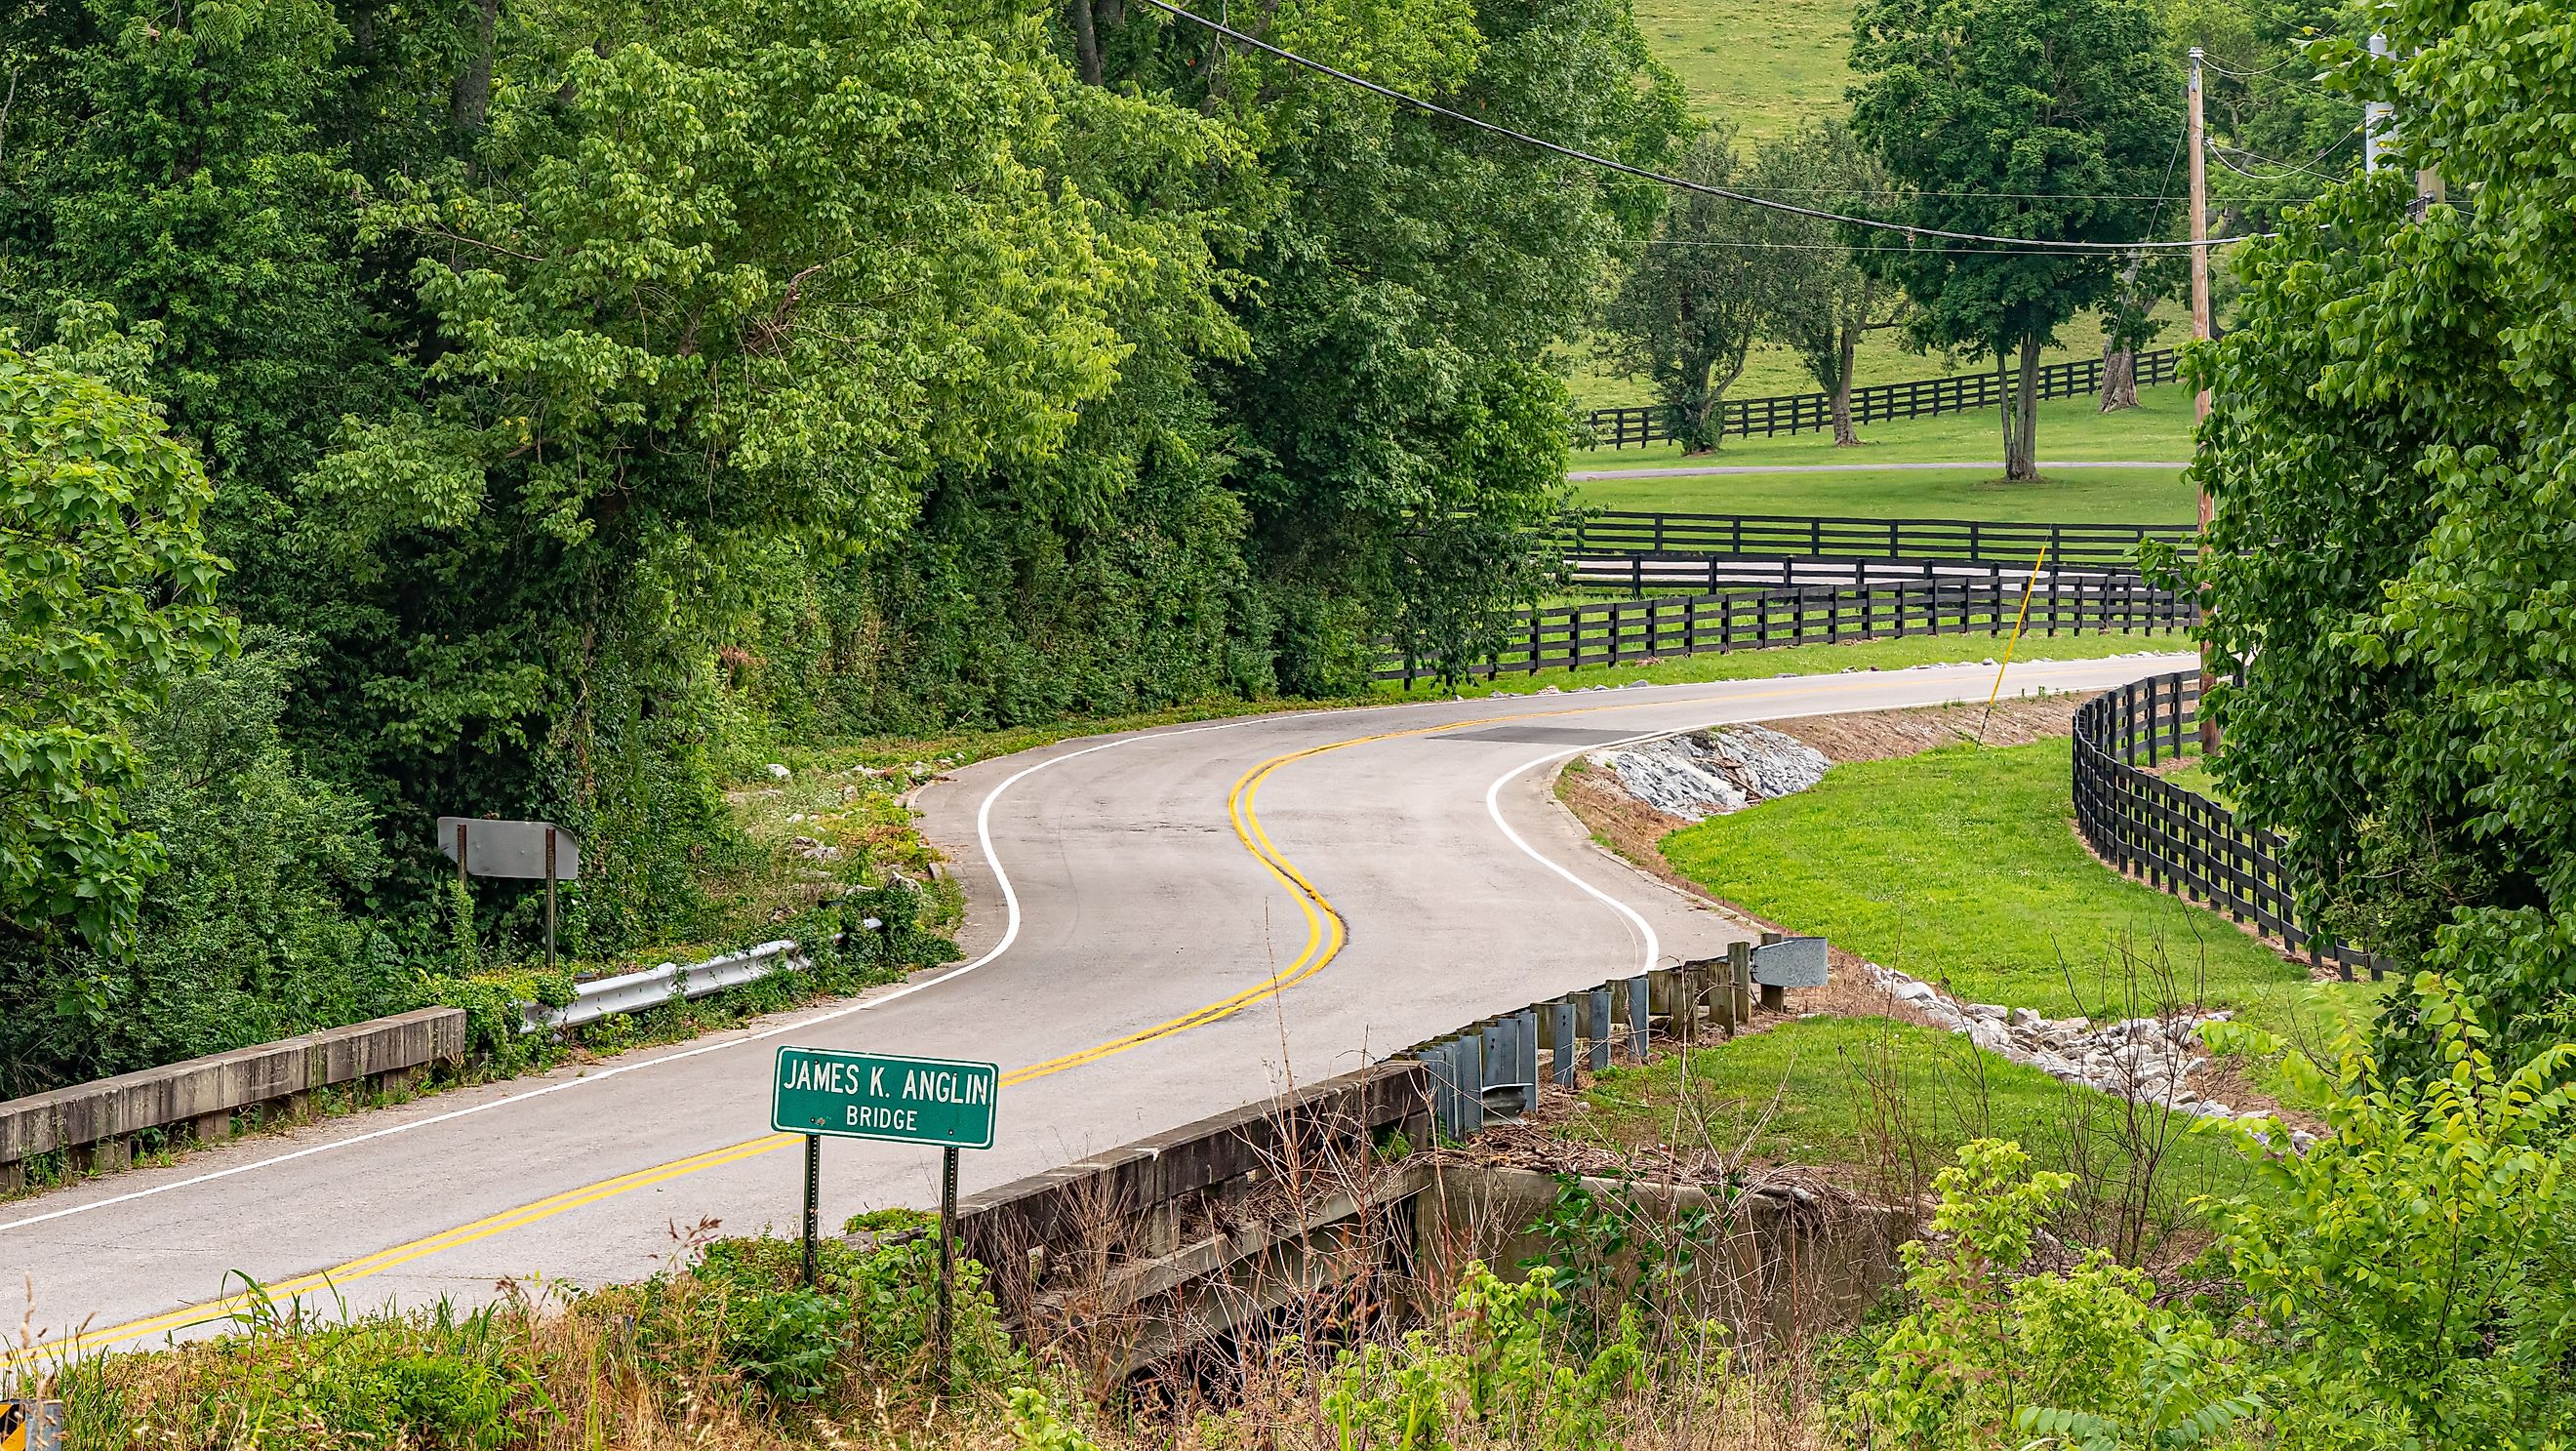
x: 2069, y: 428
x: 1768, y: 67
x: 1764, y: 65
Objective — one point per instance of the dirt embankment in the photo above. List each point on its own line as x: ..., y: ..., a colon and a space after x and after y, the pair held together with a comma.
x: 1882, y: 734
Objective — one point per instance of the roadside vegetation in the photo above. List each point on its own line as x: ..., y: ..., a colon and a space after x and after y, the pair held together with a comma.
x: 1883, y: 1104
x: 413, y: 413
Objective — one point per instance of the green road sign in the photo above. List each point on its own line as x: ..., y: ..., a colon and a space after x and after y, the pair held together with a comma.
x: 881, y: 1096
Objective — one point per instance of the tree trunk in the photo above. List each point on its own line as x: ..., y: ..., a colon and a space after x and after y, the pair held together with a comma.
x: 474, y: 83
x: 1701, y: 413
x: 2119, y: 378
x: 1844, y: 434
x: 1086, y: 42
x: 2021, y: 463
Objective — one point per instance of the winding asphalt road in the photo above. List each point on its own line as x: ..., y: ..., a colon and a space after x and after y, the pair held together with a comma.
x: 1162, y: 926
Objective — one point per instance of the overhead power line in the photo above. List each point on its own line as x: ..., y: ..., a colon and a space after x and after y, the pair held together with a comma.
x: 1839, y: 247
x: 2037, y: 244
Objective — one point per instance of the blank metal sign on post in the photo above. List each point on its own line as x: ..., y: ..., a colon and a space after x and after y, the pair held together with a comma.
x: 1790, y: 962
x: 938, y: 1101
x: 510, y: 848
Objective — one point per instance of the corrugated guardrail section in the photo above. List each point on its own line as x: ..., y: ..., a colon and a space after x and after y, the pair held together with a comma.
x: 654, y: 986
x: 96, y: 1122
x: 1586, y: 1029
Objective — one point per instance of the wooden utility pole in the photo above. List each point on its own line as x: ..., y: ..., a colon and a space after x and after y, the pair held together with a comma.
x: 2197, y: 141
x: 2374, y: 117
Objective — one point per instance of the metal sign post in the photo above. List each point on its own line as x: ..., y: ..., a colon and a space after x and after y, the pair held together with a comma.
x: 943, y: 1101
x: 486, y: 848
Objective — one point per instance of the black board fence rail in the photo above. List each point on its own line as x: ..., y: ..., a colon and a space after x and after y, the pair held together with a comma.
x: 1878, y: 403
x: 1626, y: 632
x: 2181, y: 841
x: 2009, y: 544
x: 1638, y: 573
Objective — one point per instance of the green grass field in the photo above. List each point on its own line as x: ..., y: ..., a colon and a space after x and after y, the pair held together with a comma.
x: 1959, y: 867
x: 1812, y: 1092
x: 2158, y: 429
x: 1863, y: 655
x: 2072, y: 496
x: 1761, y: 65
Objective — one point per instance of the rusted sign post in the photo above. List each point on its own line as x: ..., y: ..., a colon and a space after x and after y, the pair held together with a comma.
x: 481, y: 847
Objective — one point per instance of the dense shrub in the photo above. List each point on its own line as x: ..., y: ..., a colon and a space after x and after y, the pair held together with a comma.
x: 2409, y: 1281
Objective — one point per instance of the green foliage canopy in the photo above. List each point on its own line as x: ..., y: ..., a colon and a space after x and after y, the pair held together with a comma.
x: 106, y: 599
x: 1694, y: 301
x: 2390, y: 570
x: 2050, y: 119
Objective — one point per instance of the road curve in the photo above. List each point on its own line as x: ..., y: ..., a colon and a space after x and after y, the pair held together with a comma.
x: 1161, y: 925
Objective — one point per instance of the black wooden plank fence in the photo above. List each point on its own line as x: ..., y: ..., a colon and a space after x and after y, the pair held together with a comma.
x: 1914, y: 398
x: 1624, y: 632
x: 1606, y: 532
x: 2178, y: 840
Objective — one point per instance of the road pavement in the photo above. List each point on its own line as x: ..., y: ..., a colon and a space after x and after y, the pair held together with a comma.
x: 1161, y: 926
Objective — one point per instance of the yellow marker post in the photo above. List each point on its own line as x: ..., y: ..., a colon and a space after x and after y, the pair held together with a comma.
x: 2018, y: 621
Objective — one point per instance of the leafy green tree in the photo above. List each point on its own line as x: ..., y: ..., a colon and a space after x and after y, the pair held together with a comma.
x: 1694, y: 301
x: 1817, y: 300
x: 171, y: 165
x: 2388, y: 454
x: 2047, y: 119
x: 2277, y: 136
x: 2416, y: 1266
x: 254, y: 926
x: 106, y: 599
x: 1399, y: 428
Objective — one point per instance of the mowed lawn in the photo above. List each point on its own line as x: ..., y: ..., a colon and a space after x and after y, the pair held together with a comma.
x: 1959, y: 866
x: 1764, y: 66
x: 2157, y: 430
x: 2069, y: 496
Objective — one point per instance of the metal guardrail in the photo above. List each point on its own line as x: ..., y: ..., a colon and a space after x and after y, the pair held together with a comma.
x: 1587, y: 1028
x: 2181, y: 841
x: 671, y: 982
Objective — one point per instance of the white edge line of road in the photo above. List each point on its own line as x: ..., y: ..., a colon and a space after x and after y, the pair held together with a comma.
x: 1494, y: 808
x: 1010, y: 933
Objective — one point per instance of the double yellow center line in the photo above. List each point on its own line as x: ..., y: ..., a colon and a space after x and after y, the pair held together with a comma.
x: 1325, y: 935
